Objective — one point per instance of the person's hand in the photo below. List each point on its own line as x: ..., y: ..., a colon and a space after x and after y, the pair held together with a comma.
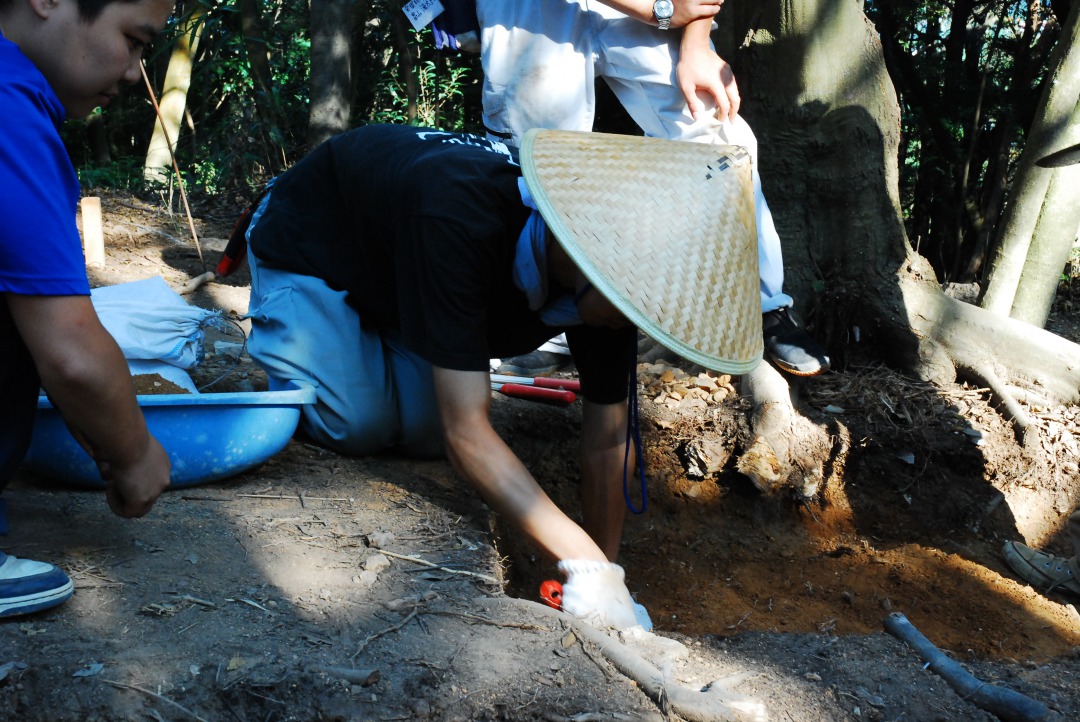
x: 703, y: 73
x: 595, y: 592
x: 132, y: 490
x: 687, y: 11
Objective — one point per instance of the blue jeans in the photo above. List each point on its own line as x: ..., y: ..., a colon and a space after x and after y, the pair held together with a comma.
x: 372, y: 394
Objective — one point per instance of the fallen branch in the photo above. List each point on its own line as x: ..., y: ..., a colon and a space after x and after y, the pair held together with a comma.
x: 1005, y: 703
x: 485, y: 577
x: 156, y: 696
x: 717, y: 702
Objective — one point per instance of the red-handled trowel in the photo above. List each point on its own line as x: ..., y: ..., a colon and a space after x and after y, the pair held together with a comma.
x: 541, y: 381
x: 562, y: 397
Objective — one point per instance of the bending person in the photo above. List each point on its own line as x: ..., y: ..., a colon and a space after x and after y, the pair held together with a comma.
x: 392, y: 262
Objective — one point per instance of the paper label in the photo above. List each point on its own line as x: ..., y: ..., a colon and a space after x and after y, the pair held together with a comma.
x: 422, y: 12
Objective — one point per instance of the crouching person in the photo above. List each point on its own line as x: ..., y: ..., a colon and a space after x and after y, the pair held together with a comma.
x: 62, y: 58
x: 392, y: 262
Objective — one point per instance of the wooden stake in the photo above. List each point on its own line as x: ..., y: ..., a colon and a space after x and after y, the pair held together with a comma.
x: 93, y: 236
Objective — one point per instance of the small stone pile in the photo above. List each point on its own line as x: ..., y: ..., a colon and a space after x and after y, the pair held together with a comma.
x: 676, y: 389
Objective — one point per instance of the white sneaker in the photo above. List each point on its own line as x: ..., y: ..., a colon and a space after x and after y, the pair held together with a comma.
x: 27, y: 586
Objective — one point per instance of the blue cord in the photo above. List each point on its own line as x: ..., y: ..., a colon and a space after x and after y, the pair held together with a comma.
x: 633, y: 436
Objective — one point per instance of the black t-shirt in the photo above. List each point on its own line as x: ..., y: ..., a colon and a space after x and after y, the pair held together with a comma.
x: 419, y: 228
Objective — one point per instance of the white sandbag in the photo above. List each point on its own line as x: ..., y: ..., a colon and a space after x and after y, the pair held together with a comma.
x: 151, y: 321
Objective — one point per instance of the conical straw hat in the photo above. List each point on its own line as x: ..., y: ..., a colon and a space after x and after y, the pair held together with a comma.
x: 665, y: 230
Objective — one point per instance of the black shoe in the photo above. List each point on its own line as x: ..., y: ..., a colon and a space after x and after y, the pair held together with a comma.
x: 537, y: 363
x: 790, y: 347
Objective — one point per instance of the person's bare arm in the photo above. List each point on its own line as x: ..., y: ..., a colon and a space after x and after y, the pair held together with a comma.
x: 685, y: 10
x: 603, y: 450
x: 87, y: 378
x: 483, y: 458
x: 701, y: 72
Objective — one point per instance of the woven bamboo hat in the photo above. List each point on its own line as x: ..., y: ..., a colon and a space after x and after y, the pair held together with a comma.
x: 665, y: 230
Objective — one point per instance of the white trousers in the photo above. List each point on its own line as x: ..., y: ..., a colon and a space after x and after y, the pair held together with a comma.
x: 541, y: 60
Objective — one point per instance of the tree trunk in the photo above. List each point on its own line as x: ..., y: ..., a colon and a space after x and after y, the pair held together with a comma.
x: 266, y: 106
x: 1043, y: 201
x: 815, y: 90
x: 405, y: 64
x: 97, y: 135
x: 173, y: 100
x: 330, y: 84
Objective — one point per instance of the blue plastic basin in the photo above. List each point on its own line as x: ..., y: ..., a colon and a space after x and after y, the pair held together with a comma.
x: 208, y: 436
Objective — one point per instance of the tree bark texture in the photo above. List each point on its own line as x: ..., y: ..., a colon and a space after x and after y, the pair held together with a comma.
x: 330, y: 84
x: 817, y: 94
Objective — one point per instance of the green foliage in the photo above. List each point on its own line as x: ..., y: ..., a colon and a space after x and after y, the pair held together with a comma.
x: 968, y: 75
x: 124, y: 173
x: 238, y: 132
x: 232, y: 144
x: 442, y: 80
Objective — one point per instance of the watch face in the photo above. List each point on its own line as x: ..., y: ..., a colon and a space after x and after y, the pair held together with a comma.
x: 663, y: 8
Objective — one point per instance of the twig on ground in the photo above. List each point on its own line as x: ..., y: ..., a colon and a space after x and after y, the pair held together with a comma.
x: 487, y: 578
x: 156, y: 696
x: 284, y: 497
x: 251, y: 603
x: 593, y: 654
x: 485, y: 620
x: 194, y: 600
x: 375, y: 636
x: 1011, y: 409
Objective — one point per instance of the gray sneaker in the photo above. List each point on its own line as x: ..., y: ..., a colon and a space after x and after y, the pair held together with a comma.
x: 1046, y: 572
x: 537, y: 363
x: 790, y: 347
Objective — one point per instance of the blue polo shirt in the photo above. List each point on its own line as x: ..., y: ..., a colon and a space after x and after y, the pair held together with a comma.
x: 40, y: 250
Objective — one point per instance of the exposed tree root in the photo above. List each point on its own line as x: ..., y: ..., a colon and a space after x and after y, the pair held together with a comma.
x: 717, y: 702
x: 788, y: 452
x: 1025, y: 356
x: 1007, y: 403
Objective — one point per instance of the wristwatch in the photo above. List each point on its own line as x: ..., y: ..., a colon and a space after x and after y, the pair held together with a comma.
x: 662, y: 10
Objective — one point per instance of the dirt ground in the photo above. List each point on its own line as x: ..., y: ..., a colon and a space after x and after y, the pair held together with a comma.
x: 323, y: 587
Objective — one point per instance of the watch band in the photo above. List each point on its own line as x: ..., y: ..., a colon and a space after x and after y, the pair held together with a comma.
x: 663, y: 21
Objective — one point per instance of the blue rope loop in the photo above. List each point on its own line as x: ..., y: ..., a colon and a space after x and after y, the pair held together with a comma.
x: 633, y: 436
